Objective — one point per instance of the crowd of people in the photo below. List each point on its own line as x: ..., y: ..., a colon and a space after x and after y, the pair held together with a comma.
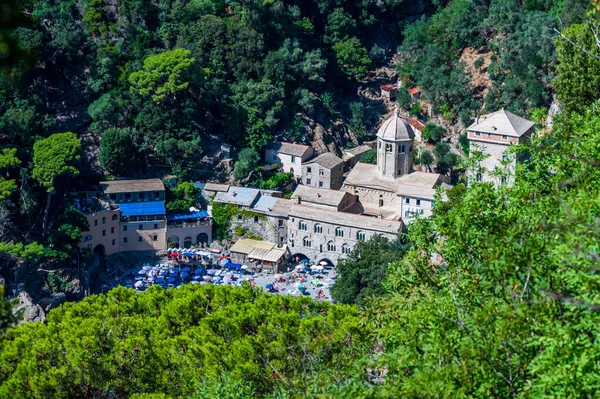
x: 313, y: 281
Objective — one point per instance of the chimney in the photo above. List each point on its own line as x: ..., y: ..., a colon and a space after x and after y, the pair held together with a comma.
x: 234, y: 193
x: 298, y: 200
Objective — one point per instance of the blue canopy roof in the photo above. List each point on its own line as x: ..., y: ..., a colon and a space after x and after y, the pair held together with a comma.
x: 233, y: 265
x: 143, y: 208
x: 190, y: 215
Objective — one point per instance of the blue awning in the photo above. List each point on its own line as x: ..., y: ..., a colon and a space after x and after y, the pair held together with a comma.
x: 191, y: 215
x: 143, y: 208
x: 232, y: 265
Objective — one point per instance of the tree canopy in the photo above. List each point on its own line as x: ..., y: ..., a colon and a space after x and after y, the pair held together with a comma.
x: 170, y: 342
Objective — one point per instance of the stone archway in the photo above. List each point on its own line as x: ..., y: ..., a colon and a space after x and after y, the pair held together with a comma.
x: 173, y: 241
x: 298, y: 257
x: 329, y: 264
x: 187, y: 242
x: 100, y: 251
x: 202, y: 238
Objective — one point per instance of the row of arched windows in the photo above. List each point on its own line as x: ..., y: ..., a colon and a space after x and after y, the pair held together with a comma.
x: 331, y: 247
x: 339, y: 232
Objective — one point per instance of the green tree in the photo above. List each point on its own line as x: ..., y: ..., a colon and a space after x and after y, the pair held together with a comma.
x: 426, y: 159
x: 66, y: 238
x: 352, y: 58
x: 8, y: 160
x: 360, y: 275
x: 168, y: 342
x: 433, y: 132
x: 118, y: 154
x: 181, y: 197
x: 54, y: 157
x: 578, y: 70
x: 369, y: 156
x: 163, y: 75
x: 356, y: 123
x: 247, y: 161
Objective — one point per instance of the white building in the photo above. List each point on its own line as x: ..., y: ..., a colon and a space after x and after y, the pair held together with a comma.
x: 289, y: 156
x: 492, y: 135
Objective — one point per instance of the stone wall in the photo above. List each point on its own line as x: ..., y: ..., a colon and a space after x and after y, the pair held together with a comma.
x: 325, y: 244
x: 269, y: 228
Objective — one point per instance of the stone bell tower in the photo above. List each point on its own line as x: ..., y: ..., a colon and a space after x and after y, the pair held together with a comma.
x: 395, y: 147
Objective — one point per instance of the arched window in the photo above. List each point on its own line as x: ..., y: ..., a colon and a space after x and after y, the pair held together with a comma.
x: 402, y: 149
x: 114, y: 217
x: 388, y: 148
x: 87, y: 238
x: 331, y: 246
x: 360, y: 235
x: 346, y: 249
x: 306, y: 242
x: 302, y: 225
x: 380, y: 145
x: 339, y: 232
x: 318, y: 229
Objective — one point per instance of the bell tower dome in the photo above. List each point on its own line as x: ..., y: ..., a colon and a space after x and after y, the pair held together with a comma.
x: 395, y: 147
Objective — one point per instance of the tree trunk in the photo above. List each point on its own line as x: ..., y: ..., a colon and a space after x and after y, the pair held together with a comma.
x: 46, y: 213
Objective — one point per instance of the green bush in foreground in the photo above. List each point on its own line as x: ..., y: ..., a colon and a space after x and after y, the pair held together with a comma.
x: 177, y: 342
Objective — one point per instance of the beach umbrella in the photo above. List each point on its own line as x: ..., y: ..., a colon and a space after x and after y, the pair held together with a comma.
x: 186, y: 269
x: 315, y: 281
x: 176, y: 269
x: 160, y: 280
x: 195, y: 282
x: 323, y: 263
x: 269, y: 286
x: 151, y: 278
x: 210, y: 272
x: 141, y: 272
x: 171, y: 279
x: 146, y: 268
x: 198, y: 271
x: 196, y: 278
x: 206, y: 278
x: 184, y: 275
x: 305, y: 261
x: 138, y: 284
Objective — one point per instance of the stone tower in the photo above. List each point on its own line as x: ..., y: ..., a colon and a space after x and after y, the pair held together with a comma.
x: 395, y: 147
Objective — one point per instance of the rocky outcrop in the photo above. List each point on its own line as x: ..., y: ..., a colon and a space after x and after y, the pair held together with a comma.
x: 28, y: 309
x: 52, y: 301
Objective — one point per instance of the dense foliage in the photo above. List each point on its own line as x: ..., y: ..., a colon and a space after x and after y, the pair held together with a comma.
x: 360, y: 275
x: 515, y: 40
x: 172, y: 341
x: 498, y: 295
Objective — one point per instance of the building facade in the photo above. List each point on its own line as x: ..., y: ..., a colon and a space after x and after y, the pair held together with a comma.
x: 325, y: 171
x: 492, y: 135
x: 324, y: 235
x: 104, y: 230
x: 130, y: 215
x: 289, y: 157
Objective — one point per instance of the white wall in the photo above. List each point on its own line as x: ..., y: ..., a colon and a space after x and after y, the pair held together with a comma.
x: 422, y: 210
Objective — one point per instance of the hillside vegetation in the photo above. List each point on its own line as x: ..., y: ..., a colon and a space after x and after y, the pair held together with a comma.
x: 498, y: 295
